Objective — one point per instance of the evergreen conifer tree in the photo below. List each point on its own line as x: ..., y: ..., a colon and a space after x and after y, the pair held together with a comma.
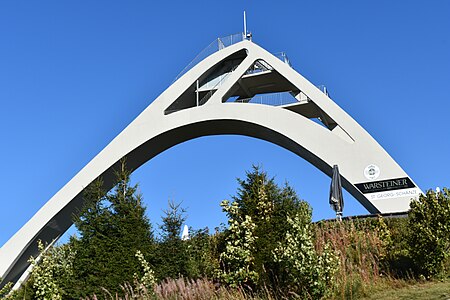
x: 112, y: 228
x: 173, y: 255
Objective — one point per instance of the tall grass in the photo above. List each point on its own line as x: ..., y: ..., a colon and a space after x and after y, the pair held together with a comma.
x: 184, y: 289
x: 363, y: 247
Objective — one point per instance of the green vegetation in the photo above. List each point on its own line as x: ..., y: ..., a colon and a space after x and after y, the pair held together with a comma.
x: 52, y: 271
x: 429, y: 239
x: 269, y: 250
x: 173, y: 257
x: 112, y: 228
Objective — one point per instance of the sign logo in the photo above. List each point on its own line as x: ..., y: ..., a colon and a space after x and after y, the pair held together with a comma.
x: 385, y: 185
x: 372, y: 172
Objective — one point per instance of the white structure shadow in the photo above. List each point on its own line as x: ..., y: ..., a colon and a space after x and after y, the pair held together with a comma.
x: 239, y: 88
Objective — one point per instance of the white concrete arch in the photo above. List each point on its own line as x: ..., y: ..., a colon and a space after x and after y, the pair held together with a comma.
x: 198, y: 104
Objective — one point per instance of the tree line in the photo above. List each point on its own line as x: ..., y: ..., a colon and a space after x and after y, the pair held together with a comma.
x: 270, y: 242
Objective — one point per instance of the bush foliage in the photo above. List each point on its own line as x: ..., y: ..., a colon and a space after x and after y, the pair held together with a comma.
x: 429, y: 238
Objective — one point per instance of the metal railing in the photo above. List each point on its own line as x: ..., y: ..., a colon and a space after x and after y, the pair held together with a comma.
x: 273, y: 99
x: 324, y: 89
x: 216, y: 45
x: 283, y: 57
x: 221, y: 43
x: 216, y: 86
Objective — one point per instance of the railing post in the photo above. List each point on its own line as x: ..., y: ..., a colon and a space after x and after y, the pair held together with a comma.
x: 197, y: 92
x: 220, y: 43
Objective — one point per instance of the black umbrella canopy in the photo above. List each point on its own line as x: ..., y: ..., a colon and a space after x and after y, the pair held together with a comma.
x: 336, y: 198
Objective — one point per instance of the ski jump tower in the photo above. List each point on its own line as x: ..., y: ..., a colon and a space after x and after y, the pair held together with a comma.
x: 233, y: 87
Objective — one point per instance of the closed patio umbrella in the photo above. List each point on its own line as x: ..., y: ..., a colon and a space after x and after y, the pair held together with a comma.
x: 336, y: 198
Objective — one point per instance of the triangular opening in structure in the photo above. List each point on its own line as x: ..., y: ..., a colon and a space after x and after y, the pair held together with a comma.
x: 262, y: 84
x: 201, y: 90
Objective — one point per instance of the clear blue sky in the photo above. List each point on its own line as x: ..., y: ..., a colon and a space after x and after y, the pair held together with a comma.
x: 73, y: 74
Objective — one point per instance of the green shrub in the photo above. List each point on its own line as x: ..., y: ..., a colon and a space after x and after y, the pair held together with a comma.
x: 238, y: 259
x: 51, y: 270
x: 398, y: 262
x: 309, y: 274
x: 429, y: 238
x: 6, y: 290
x: 270, y: 241
x: 203, y: 253
x: 147, y: 281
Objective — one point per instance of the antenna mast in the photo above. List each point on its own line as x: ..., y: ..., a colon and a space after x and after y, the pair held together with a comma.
x: 247, y: 36
x: 245, y: 25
